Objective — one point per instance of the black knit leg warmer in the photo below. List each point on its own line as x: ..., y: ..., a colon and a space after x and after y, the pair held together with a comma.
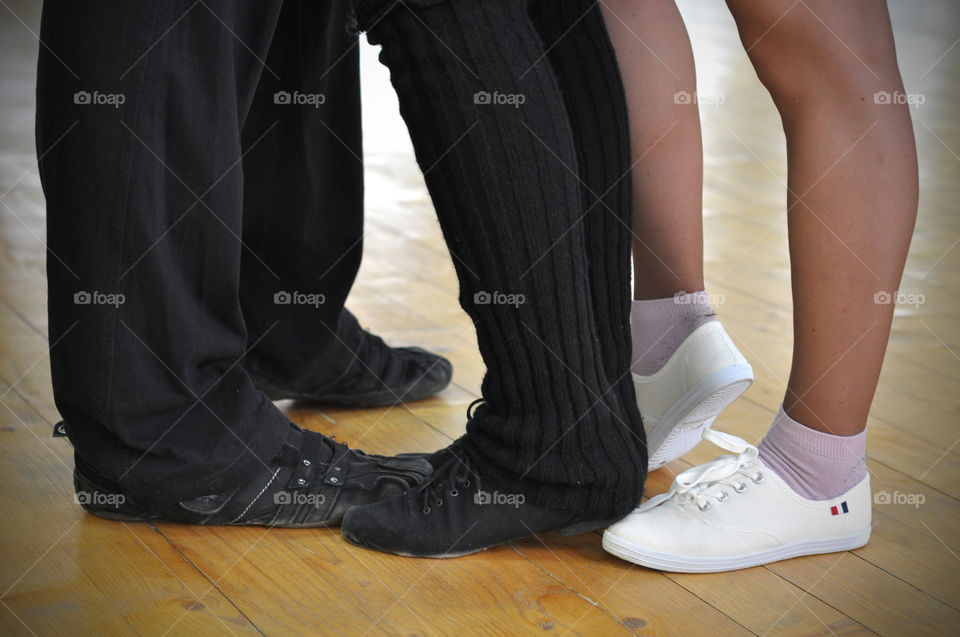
x: 492, y: 135
x: 585, y: 65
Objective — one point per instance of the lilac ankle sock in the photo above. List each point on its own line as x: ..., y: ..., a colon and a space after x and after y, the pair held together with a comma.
x: 817, y: 465
x: 659, y: 327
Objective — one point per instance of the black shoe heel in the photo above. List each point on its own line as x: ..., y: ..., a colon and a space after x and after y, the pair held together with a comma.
x: 104, y: 502
x: 586, y: 526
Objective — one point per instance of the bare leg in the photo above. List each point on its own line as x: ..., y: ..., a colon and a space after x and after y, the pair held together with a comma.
x: 656, y: 62
x: 852, y: 199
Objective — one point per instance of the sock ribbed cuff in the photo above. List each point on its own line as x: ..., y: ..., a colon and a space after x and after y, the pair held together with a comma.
x: 786, y: 431
x: 672, y: 308
x: 817, y: 465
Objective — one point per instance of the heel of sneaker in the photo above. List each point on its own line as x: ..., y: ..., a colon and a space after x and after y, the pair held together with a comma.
x: 702, y: 404
x: 683, y: 439
x: 104, y: 502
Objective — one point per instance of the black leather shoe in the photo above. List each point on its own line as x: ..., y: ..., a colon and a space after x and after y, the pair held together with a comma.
x: 311, y: 482
x: 369, y: 373
x: 455, y: 512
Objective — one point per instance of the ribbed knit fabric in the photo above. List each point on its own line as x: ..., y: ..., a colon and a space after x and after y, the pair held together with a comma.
x: 503, y: 176
x: 817, y: 465
x: 585, y: 65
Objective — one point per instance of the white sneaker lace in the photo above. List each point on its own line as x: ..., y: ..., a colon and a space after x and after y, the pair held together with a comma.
x: 708, y: 482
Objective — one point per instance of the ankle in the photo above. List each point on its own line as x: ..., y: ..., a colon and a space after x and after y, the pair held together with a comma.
x: 816, y: 465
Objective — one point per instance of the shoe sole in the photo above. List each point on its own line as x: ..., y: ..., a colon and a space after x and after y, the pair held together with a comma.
x: 685, y: 564
x: 707, y: 399
x: 576, y: 528
x: 116, y: 517
x: 118, y: 514
x: 368, y: 399
x: 122, y: 517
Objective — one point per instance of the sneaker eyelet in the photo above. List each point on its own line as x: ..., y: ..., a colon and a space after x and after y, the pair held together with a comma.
x: 723, y: 496
x: 454, y: 492
x: 757, y: 479
x: 306, y: 462
x: 426, y: 510
x: 704, y: 506
x: 466, y: 482
x: 438, y: 502
x: 740, y: 487
x: 301, y: 481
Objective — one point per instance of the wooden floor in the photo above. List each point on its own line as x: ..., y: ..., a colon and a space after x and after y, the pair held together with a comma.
x: 63, y: 572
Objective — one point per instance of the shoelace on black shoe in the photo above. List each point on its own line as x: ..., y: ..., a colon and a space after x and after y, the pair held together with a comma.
x: 451, y: 475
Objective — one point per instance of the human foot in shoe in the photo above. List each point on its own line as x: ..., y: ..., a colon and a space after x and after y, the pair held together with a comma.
x: 366, y: 372
x: 311, y: 482
x: 734, y: 513
x: 455, y: 512
x: 680, y: 401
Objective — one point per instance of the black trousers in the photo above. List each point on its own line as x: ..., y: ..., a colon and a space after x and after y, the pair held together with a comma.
x: 204, y: 183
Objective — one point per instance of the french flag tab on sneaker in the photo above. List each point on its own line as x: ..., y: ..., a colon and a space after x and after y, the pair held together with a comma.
x: 843, y: 508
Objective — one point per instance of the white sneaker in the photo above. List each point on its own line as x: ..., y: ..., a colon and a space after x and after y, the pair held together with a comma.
x: 681, y: 400
x: 734, y: 513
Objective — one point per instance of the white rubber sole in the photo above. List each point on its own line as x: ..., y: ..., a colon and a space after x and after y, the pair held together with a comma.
x: 704, y: 401
x: 623, y: 549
